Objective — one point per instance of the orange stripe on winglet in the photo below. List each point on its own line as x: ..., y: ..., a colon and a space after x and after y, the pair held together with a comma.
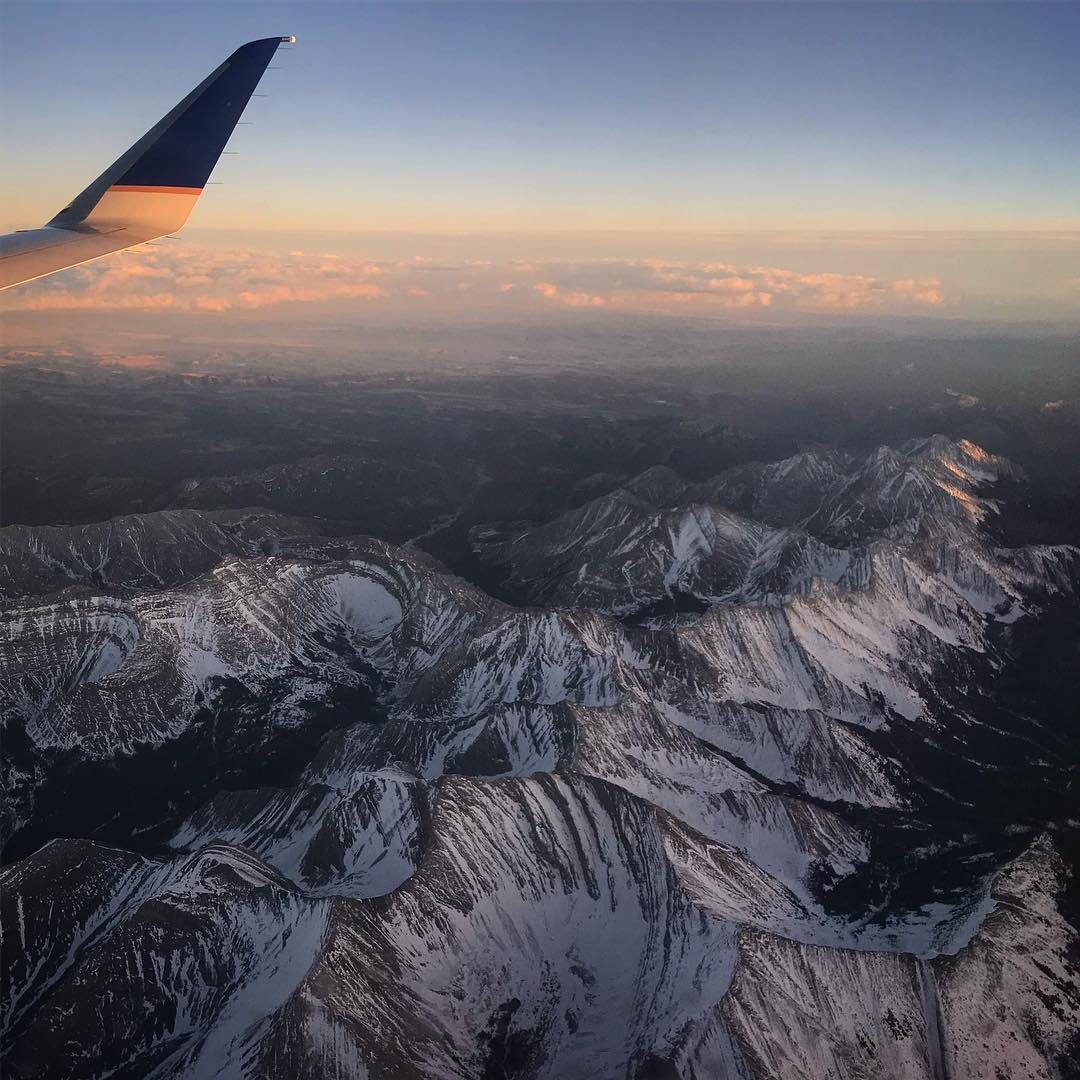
x: 157, y: 190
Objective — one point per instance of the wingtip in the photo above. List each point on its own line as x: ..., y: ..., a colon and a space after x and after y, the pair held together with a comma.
x: 260, y: 46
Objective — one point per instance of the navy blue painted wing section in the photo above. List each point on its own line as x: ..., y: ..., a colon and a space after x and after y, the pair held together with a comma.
x: 185, y: 154
x: 182, y: 149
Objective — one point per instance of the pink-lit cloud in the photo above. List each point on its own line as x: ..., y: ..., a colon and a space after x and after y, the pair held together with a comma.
x: 660, y: 285
x: 142, y: 361
x: 192, y: 278
x: 569, y: 298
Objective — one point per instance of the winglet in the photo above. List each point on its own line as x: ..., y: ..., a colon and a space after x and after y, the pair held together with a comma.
x: 152, y: 188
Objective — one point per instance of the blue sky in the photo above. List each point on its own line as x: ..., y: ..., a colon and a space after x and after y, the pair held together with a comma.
x: 455, y: 117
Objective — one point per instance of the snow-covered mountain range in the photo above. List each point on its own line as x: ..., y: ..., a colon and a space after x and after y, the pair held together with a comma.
x: 756, y: 533
x: 723, y: 801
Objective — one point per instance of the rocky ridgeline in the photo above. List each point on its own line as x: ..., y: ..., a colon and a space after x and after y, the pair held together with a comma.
x: 348, y: 816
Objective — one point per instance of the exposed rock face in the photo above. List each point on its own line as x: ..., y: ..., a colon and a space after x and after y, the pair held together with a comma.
x: 348, y: 816
x: 755, y: 534
x: 192, y: 964
x: 1004, y: 1003
x: 136, y: 552
x: 1009, y: 999
x: 843, y: 1013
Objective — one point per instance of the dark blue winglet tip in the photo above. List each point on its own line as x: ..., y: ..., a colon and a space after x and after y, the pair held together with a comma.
x: 260, y: 47
x: 186, y: 151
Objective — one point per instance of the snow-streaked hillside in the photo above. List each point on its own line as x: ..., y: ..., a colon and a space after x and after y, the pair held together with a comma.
x: 342, y: 814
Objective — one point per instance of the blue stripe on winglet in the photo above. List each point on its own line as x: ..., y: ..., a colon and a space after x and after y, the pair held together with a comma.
x: 182, y: 149
x: 185, y: 154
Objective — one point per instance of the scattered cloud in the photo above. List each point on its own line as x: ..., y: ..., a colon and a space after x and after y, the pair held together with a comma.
x: 201, y: 279
x: 144, y: 361
x: 11, y: 357
x: 192, y: 278
x: 571, y: 298
x: 659, y: 285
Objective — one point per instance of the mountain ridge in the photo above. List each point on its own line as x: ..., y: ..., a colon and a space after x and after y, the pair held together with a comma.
x: 363, y: 819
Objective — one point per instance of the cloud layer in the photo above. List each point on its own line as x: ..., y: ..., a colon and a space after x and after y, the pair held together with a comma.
x: 192, y: 278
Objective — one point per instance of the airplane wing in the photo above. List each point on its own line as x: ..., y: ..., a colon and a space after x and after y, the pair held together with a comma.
x: 150, y: 190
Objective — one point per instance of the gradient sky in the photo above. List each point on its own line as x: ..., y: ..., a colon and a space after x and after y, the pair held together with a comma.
x: 681, y: 122
x: 512, y: 116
